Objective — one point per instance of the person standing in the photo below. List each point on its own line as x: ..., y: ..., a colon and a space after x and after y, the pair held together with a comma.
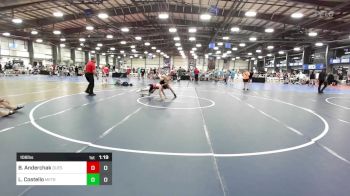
x: 76, y: 69
x: 90, y: 71
x: 322, y: 80
x: 196, y: 74
x: 312, y: 78
x: 143, y: 71
x: 245, y: 75
x: 233, y: 75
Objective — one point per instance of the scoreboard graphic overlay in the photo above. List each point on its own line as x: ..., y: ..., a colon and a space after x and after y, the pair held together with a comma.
x: 84, y: 169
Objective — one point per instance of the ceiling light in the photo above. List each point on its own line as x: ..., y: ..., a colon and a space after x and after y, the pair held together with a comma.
x: 158, y: 51
x: 250, y: 14
x: 198, y: 45
x: 177, y: 44
x: 252, y: 39
x: 205, y: 17
x: 79, y: 48
x: 112, y: 55
x: 138, y: 38
x: 17, y: 20
x: 312, y: 34
x: 260, y: 57
x: 125, y: 29
x: 132, y: 46
x: 147, y: 44
x: 242, y: 44
x: 218, y: 52
x: 133, y: 50
x: 297, y: 49
x: 56, y: 32
x: 81, y: 44
x: 34, y: 32
x: 297, y: 15
x: 249, y: 53
x: 140, y: 57
x: 269, y: 30
x: 252, y: 59
x: 216, y: 48
x: 218, y: 57
x: 153, y: 48
x: 234, y: 49
x: 39, y: 40
x: 194, y: 49
x: 103, y: 54
x: 270, y: 47
x: 179, y: 48
x: 123, y: 42
x: 97, y: 48
x: 63, y: 39
x: 229, y: 52
x: 90, y: 28
x: 163, y: 16
x: 176, y: 38
x: 99, y: 45
x: 112, y: 48
x: 233, y: 59
x: 103, y: 15
x: 58, y: 14
x: 220, y: 43
x: 145, y: 52
x: 192, y: 30
x: 192, y: 39
x: 109, y: 36
x: 172, y: 30
x: 122, y: 52
x: 269, y: 55
x: 82, y: 39
x: 235, y: 29
x: 280, y: 52
x: 162, y: 53
x: 258, y: 51
x: 225, y: 38
x: 62, y: 45
x: 319, y: 44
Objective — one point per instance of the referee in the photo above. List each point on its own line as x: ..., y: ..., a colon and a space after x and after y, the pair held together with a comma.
x: 90, y: 71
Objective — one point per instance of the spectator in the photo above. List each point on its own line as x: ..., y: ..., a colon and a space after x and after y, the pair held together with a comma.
x: 246, y: 75
x: 312, y: 78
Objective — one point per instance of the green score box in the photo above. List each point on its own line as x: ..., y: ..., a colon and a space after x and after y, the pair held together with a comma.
x: 93, y: 179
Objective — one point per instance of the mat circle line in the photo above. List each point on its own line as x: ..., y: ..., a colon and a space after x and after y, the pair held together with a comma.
x: 341, y: 106
x: 212, y: 103
x: 312, y: 141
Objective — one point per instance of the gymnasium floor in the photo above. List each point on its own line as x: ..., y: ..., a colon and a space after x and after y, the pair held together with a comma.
x: 272, y: 140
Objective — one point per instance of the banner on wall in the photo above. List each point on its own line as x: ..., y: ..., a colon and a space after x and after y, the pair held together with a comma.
x: 211, y: 63
x: 314, y: 66
x: 212, y: 45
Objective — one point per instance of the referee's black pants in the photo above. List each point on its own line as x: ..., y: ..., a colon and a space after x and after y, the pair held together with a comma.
x: 90, y: 78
